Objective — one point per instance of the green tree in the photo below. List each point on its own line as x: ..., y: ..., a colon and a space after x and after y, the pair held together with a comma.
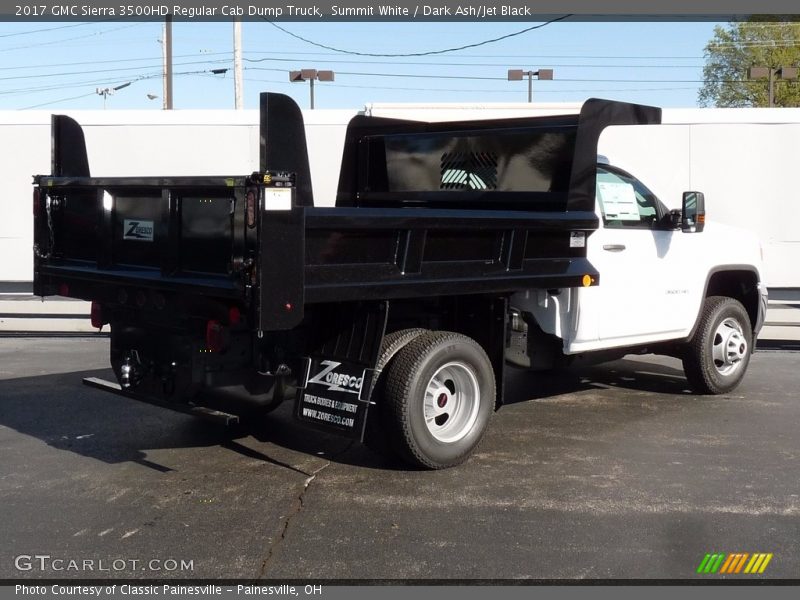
x: 755, y: 42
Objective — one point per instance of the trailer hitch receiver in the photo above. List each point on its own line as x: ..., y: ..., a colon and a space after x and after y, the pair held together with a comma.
x: 131, y: 371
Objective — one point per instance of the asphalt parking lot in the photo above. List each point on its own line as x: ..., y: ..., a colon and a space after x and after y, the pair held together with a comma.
x: 610, y: 472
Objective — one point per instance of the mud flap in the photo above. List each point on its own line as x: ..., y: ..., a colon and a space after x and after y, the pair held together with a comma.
x: 334, y: 392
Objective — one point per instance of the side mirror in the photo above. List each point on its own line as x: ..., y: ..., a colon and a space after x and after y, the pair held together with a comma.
x: 694, y: 212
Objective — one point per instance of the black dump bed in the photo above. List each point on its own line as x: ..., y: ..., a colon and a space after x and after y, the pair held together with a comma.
x: 423, y: 209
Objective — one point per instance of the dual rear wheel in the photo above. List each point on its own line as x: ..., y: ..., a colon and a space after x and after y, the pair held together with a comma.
x: 435, y: 397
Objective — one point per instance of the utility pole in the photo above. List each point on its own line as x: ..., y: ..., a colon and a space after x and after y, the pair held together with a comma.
x: 238, y: 81
x: 168, y: 63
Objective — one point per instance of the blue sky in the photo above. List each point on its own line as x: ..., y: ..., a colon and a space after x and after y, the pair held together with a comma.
x: 649, y: 62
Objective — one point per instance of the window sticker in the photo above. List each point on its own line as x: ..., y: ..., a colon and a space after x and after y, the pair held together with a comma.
x: 277, y: 199
x: 618, y: 200
x: 577, y: 239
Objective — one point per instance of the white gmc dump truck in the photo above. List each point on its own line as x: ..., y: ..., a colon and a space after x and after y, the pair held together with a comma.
x: 453, y: 249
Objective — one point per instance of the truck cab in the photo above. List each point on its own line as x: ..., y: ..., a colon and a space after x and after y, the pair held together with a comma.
x: 665, y: 272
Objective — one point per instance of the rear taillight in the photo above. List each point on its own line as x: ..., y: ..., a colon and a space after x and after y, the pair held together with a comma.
x: 63, y: 290
x: 97, y: 315
x: 215, y: 336
x: 250, y: 205
x: 234, y: 316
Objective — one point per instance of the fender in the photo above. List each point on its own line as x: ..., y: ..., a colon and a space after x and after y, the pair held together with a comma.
x: 711, y: 273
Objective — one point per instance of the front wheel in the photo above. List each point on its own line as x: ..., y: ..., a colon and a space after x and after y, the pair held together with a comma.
x: 440, y: 395
x: 717, y: 356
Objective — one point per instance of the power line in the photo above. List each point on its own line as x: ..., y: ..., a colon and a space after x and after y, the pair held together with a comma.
x: 57, y: 101
x: 409, y: 75
x: 463, y: 64
x: 476, y: 91
x: 115, y: 70
x: 93, y: 82
x: 479, y: 78
x: 114, y: 61
x: 132, y: 81
x: 523, y: 56
x: 80, y: 37
x: 7, y: 35
x: 426, y: 53
x: 342, y: 61
x: 351, y: 73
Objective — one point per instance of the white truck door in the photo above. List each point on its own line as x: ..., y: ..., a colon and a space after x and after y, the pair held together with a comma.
x: 634, y: 252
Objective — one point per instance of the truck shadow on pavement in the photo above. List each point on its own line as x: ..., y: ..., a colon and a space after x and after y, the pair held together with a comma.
x: 60, y: 411
x: 632, y: 374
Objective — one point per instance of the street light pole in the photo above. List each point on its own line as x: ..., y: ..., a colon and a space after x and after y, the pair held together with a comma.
x: 519, y: 75
x: 771, y: 74
x: 771, y: 89
x: 530, y: 87
x: 311, y: 75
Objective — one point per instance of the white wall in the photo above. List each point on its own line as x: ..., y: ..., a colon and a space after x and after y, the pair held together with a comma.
x: 745, y: 170
x: 24, y: 150
x: 128, y: 143
x: 743, y: 159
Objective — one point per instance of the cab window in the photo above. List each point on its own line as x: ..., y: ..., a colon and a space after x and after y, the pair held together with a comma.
x: 624, y: 201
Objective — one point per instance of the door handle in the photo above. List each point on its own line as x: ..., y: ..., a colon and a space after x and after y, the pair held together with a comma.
x: 614, y: 247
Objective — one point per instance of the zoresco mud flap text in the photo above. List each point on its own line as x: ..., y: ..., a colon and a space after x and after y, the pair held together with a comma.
x: 335, y: 396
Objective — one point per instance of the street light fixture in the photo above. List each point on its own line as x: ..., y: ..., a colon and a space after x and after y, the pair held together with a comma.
x: 519, y: 75
x: 310, y: 75
x: 787, y: 73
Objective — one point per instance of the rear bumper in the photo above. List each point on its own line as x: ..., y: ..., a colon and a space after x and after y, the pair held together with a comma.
x: 203, y: 412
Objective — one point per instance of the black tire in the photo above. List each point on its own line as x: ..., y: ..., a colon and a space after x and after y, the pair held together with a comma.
x: 375, y: 434
x: 716, y: 358
x: 394, y: 342
x: 464, y: 370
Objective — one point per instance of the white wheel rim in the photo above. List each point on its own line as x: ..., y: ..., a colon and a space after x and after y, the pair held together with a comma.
x: 728, y: 347
x: 452, y: 400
